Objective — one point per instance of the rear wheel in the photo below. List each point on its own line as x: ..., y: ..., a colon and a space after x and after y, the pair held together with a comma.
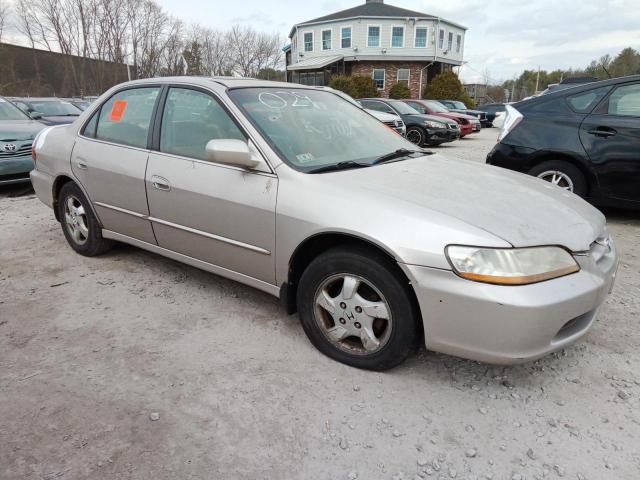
x: 416, y: 135
x: 356, y: 308
x: 563, y: 174
x: 79, y: 224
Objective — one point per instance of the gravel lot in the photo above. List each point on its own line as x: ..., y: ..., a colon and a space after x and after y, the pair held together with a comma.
x: 132, y: 366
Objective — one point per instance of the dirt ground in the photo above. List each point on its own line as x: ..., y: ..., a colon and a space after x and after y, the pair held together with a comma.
x: 132, y: 366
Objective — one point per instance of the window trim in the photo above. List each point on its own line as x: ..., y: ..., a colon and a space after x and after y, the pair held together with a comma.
x: 152, y: 125
x: 404, y: 36
x: 379, y: 36
x: 342, y: 29
x: 441, y: 39
x: 458, y: 43
x: 415, y: 35
x: 330, y: 30
x: 450, y: 42
x: 304, y: 42
x: 384, y: 77
x: 408, y: 80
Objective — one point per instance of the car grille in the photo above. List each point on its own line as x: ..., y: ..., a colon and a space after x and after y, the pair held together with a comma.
x: 21, y: 151
x: 453, y: 126
x: 394, y: 123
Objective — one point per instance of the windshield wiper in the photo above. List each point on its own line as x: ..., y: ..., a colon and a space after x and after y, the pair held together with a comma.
x: 401, y: 152
x: 339, y: 166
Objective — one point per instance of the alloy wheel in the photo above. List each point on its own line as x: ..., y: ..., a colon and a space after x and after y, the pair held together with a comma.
x: 353, y: 314
x: 75, y: 219
x: 558, y: 178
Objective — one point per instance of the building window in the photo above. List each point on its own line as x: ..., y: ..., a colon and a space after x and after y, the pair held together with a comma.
x: 441, y: 39
x: 403, y: 76
x: 345, y: 35
x: 458, y: 43
x: 378, y: 77
x: 308, y: 42
x: 421, y: 37
x: 373, y: 36
x: 397, y: 37
x: 450, y: 42
x: 326, y: 40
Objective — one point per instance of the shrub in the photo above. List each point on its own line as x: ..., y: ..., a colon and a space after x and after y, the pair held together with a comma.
x: 447, y: 86
x: 365, y: 87
x: 344, y: 84
x: 400, y: 90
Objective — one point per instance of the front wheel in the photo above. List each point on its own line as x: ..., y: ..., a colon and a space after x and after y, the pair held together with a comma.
x: 79, y: 224
x: 356, y: 308
x: 416, y: 135
x: 563, y: 174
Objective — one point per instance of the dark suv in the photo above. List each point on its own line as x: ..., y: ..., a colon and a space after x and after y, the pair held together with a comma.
x: 585, y: 139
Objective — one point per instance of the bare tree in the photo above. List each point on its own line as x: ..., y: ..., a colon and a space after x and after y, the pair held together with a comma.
x: 4, y: 14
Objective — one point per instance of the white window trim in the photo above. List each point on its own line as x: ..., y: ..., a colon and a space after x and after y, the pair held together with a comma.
x: 459, y: 43
x: 415, y: 36
x: 304, y: 43
x: 404, y: 35
x: 322, y: 39
x: 384, y: 76
x: 444, y: 35
x: 408, y: 78
x: 351, y: 38
x: 379, y: 36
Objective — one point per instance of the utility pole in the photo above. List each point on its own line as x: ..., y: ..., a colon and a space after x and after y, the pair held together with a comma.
x: 537, y: 80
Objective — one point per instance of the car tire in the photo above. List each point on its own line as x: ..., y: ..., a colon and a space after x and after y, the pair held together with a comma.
x: 417, y: 135
x: 377, y: 288
x: 563, y: 174
x: 79, y: 224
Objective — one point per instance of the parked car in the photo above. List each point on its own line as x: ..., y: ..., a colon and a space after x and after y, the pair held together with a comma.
x: 569, y: 82
x: 468, y: 124
x: 460, y: 107
x: 17, y: 131
x: 422, y: 130
x: 297, y: 192
x: 78, y: 103
x: 49, y: 111
x: 495, y: 113
x: 389, y: 119
x: 585, y: 139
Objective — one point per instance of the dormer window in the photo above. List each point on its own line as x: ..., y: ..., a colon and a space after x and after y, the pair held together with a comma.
x: 308, y: 42
x: 345, y: 37
x: 326, y: 40
x: 397, y: 37
x: 373, y: 36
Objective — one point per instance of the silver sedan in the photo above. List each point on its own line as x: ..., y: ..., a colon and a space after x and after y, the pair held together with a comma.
x: 378, y: 245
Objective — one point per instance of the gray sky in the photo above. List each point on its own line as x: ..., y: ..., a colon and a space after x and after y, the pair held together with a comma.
x: 504, y: 36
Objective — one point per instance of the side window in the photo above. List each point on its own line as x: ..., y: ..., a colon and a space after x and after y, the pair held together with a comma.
x: 192, y: 118
x: 584, y: 102
x: 625, y: 101
x: 90, y: 128
x: 378, y: 106
x: 125, y: 118
x: 418, y: 106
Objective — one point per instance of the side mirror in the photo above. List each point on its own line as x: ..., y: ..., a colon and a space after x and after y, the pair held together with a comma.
x: 35, y: 115
x: 231, y: 152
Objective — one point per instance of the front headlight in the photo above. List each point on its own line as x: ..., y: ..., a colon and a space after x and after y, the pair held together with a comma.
x: 432, y: 124
x: 510, y: 266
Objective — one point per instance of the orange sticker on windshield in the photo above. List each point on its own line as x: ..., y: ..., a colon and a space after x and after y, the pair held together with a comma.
x: 117, y: 112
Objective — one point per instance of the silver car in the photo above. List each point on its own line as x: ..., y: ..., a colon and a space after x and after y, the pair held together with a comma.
x: 295, y: 191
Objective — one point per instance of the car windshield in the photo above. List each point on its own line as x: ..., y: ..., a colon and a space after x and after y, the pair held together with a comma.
x: 54, y: 108
x: 8, y: 111
x: 312, y: 129
x: 437, y: 107
x: 402, y: 108
x: 460, y: 105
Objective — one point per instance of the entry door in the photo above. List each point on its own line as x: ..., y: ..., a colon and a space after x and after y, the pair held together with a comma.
x: 219, y: 214
x: 110, y: 160
x: 611, y: 137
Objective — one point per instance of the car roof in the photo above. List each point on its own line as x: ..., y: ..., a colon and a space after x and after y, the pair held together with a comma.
x: 38, y: 99
x: 583, y: 87
x: 229, y: 82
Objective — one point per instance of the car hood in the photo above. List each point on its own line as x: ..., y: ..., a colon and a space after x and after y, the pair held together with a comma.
x: 11, y: 130
x: 57, y: 119
x: 520, y: 209
x: 421, y: 118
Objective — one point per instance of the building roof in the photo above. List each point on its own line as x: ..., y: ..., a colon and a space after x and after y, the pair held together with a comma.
x: 372, y: 8
x: 315, y: 62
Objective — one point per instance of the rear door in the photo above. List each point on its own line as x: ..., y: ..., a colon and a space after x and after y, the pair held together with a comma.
x: 611, y: 137
x: 110, y: 159
x: 216, y: 213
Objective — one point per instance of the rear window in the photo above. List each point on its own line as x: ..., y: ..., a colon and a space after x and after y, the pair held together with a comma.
x: 584, y: 102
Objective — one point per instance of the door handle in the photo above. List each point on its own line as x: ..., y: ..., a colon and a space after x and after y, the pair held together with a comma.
x: 82, y: 165
x: 602, y: 132
x: 160, y: 183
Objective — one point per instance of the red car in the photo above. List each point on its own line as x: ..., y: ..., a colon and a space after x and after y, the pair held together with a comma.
x: 468, y: 124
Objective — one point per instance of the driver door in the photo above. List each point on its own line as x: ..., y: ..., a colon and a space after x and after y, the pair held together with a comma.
x: 216, y: 213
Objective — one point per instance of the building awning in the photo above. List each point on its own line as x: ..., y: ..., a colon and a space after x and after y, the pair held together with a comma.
x: 315, y: 63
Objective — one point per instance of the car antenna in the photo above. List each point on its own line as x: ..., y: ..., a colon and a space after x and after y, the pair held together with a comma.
x: 606, y: 71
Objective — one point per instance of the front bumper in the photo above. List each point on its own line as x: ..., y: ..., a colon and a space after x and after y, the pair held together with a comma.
x: 511, y: 324
x: 436, y: 136
x: 15, y: 169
